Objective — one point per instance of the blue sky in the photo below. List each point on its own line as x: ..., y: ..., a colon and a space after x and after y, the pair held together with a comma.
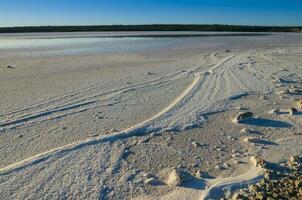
x: 95, y: 12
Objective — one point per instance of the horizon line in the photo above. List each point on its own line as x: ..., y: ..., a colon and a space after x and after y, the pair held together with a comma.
x: 151, y: 24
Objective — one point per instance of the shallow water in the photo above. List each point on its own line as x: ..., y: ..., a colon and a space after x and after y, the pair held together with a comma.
x: 66, y: 46
x: 36, y: 44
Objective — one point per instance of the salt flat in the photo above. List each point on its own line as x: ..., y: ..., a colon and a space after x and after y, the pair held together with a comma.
x: 88, y: 117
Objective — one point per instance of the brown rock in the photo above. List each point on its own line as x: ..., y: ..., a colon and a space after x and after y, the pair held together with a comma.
x: 295, y: 159
x: 254, y: 188
x: 300, y: 103
x: 237, y: 196
x: 275, y: 195
x: 258, y: 161
x: 260, y: 195
x: 10, y: 67
x: 275, y: 184
x: 267, y: 175
x: 252, y: 140
x: 295, y: 91
x: 300, y: 191
x: 241, y: 117
x: 274, y: 111
x: 298, y: 183
x: 293, y: 111
x: 196, y: 144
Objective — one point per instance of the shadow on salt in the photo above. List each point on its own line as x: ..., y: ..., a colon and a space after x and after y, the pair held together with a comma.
x: 267, y: 123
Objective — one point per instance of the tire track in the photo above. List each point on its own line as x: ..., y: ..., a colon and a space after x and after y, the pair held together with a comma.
x: 131, y: 131
x: 215, y: 186
x: 73, y: 106
x: 197, y: 98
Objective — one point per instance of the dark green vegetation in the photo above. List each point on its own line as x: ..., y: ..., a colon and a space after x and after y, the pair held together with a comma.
x: 154, y: 27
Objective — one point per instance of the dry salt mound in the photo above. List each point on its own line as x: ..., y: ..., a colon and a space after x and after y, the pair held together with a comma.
x: 178, y: 176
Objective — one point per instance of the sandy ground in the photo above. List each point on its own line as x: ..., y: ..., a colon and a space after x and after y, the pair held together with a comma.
x: 114, y: 125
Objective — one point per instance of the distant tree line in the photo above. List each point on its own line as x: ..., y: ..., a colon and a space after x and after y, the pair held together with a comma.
x: 152, y: 27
